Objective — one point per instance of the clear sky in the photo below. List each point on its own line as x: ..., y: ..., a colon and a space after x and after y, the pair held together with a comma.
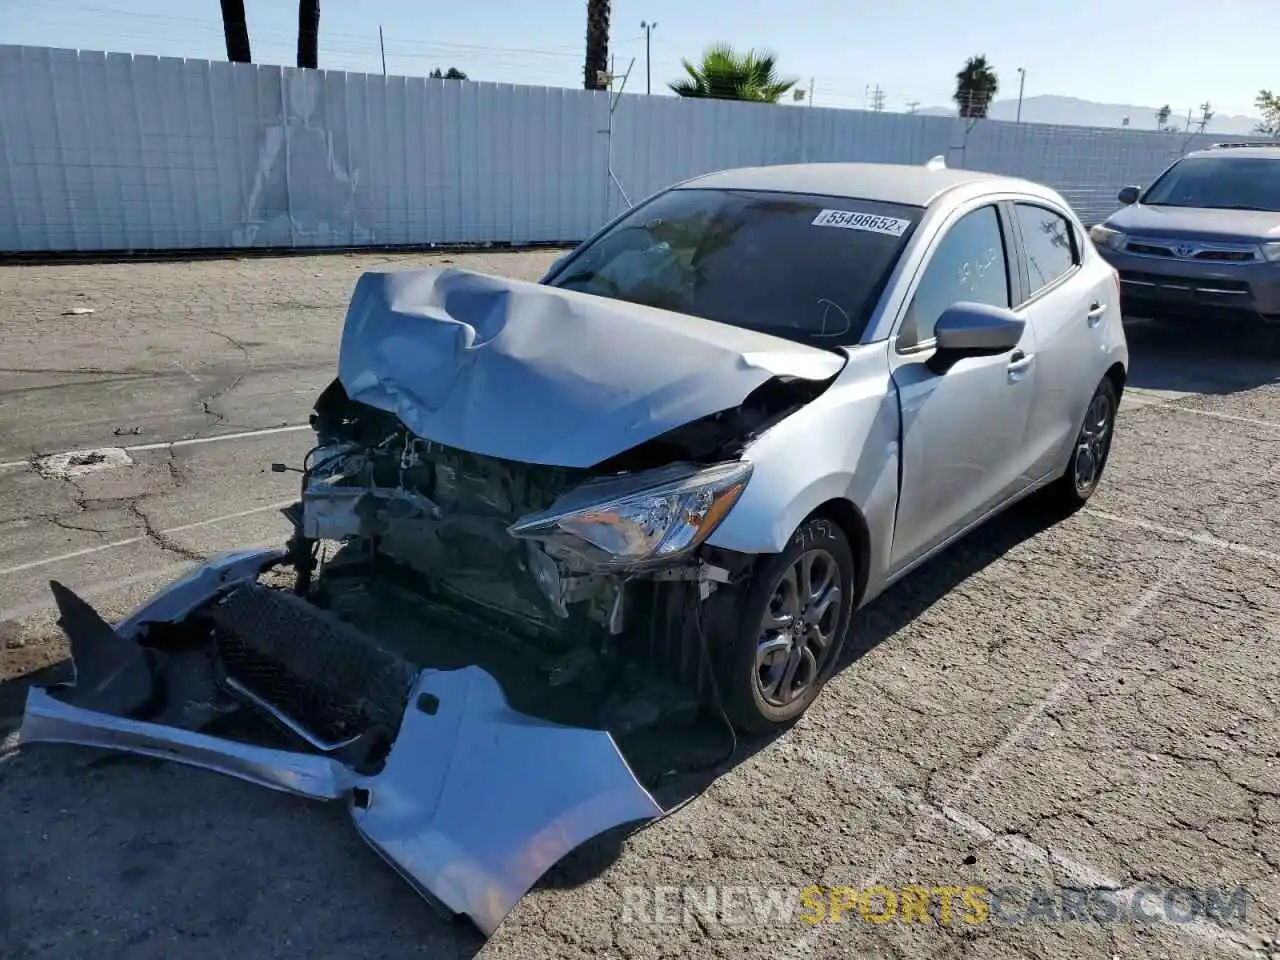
x: 1180, y: 52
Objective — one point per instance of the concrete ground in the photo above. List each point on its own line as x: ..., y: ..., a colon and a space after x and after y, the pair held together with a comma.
x: 1088, y: 704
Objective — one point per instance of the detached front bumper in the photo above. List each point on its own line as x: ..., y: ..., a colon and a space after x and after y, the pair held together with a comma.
x: 471, y: 803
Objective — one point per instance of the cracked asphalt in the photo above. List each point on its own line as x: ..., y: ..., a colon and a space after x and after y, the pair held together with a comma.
x: 1092, y: 703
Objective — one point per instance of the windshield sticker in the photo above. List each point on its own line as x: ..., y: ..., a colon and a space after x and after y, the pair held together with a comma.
x: 870, y: 222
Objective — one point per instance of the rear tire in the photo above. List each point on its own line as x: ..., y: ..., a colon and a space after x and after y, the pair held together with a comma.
x: 788, y: 628
x: 1089, y: 456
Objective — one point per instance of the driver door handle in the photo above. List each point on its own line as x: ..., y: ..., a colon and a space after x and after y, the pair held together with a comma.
x: 1019, y: 364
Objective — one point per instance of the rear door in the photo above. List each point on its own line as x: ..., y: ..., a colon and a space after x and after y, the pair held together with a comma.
x: 962, y: 430
x: 1065, y: 302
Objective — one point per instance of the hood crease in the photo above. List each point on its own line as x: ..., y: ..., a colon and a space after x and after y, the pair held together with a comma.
x: 531, y: 373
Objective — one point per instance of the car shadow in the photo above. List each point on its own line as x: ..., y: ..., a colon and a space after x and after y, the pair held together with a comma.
x: 1211, y: 357
x: 701, y: 751
x: 682, y: 759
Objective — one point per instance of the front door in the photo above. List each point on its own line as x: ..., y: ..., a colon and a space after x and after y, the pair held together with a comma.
x: 963, y: 431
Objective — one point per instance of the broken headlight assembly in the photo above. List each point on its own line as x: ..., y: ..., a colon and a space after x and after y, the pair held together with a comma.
x: 654, y: 517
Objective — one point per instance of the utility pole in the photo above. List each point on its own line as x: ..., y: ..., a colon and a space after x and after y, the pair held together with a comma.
x: 811, y: 91
x: 1205, y: 115
x: 913, y: 106
x: 648, y: 33
x: 1022, y: 82
x: 877, y: 99
x: 382, y: 47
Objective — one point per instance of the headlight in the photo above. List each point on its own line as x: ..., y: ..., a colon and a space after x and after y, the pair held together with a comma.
x: 653, y: 517
x: 1107, y: 237
x: 1271, y: 251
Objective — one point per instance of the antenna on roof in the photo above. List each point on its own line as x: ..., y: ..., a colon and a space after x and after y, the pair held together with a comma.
x: 937, y: 163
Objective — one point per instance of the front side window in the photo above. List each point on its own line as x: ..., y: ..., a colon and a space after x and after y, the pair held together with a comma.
x: 968, y: 265
x: 1220, y: 183
x: 1048, y: 244
x: 807, y: 268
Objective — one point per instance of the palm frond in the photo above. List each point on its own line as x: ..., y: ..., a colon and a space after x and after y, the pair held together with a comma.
x: 725, y: 74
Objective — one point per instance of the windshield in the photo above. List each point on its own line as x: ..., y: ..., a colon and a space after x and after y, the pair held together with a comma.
x: 1230, y: 183
x: 808, y: 268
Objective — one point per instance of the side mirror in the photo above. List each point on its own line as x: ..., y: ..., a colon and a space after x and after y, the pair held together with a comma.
x: 1130, y: 195
x: 974, y: 330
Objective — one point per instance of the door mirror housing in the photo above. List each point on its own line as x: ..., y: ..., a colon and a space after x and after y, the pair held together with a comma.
x: 1129, y: 195
x: 974, y: 330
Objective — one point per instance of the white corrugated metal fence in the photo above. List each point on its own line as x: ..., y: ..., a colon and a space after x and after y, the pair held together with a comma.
x: 103, y: 152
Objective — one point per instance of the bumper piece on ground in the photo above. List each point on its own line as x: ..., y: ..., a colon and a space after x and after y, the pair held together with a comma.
x: 472, y: 803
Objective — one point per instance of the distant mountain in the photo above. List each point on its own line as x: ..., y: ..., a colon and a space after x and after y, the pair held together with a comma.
x: 1072, y: 111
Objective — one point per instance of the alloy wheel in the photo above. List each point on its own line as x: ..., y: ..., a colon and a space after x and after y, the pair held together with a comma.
x: 1094, y: 442
x: 798, y: 630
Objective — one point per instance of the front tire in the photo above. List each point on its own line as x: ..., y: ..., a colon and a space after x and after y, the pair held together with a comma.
x: 1092, y: 448
x: 789, y: 625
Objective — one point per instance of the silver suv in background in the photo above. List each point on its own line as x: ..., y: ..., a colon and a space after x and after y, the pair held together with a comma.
x: 1203, y: 241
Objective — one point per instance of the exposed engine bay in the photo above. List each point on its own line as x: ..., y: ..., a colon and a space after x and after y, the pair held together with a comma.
x: 393, y: 530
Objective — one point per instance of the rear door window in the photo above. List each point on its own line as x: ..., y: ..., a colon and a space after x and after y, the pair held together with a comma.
x: 1049, y: 245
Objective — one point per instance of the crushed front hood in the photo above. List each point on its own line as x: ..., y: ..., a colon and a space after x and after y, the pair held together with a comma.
x: 527, y: 372
x: 473, y: 803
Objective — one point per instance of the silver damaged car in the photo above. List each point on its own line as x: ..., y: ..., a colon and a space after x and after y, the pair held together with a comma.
x: 538, y: 518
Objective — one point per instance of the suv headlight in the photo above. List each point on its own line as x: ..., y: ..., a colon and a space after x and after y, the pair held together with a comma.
x: 1105, y: 236
x: 657, y: 516
x: 1271, y: 251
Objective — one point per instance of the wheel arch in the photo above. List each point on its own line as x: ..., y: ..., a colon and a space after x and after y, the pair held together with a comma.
x: 849, y: 519
x: 1117, y: 374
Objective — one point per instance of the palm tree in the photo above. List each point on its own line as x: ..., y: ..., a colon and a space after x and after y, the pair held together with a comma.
x: 308, y: 32
x: 976, y: 87
x: 597, y: 66
x: 725, y: 74
x: 236, y: 30
x: 1268, y: 105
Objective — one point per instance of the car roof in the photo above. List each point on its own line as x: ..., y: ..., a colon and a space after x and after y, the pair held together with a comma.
x: 916, y: 186
x: 1242, y: 152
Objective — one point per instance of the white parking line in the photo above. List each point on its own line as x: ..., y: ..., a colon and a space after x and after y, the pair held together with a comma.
x: 1076, y: 872
x: 157, y: 574
x: 193, y: 441
x: 996, y: 756
x: 1177, y: 408
x: 94, y: 589
x: 86, y: 551
x: 1203, y: 539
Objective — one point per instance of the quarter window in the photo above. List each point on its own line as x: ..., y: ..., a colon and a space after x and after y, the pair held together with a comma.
x: 1049, y: 242
x: 968, y: 265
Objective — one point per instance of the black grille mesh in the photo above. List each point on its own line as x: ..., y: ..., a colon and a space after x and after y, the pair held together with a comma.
x: 334, y: 680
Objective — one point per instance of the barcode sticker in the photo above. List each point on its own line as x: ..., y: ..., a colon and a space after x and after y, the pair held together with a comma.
x: 853, y: 220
